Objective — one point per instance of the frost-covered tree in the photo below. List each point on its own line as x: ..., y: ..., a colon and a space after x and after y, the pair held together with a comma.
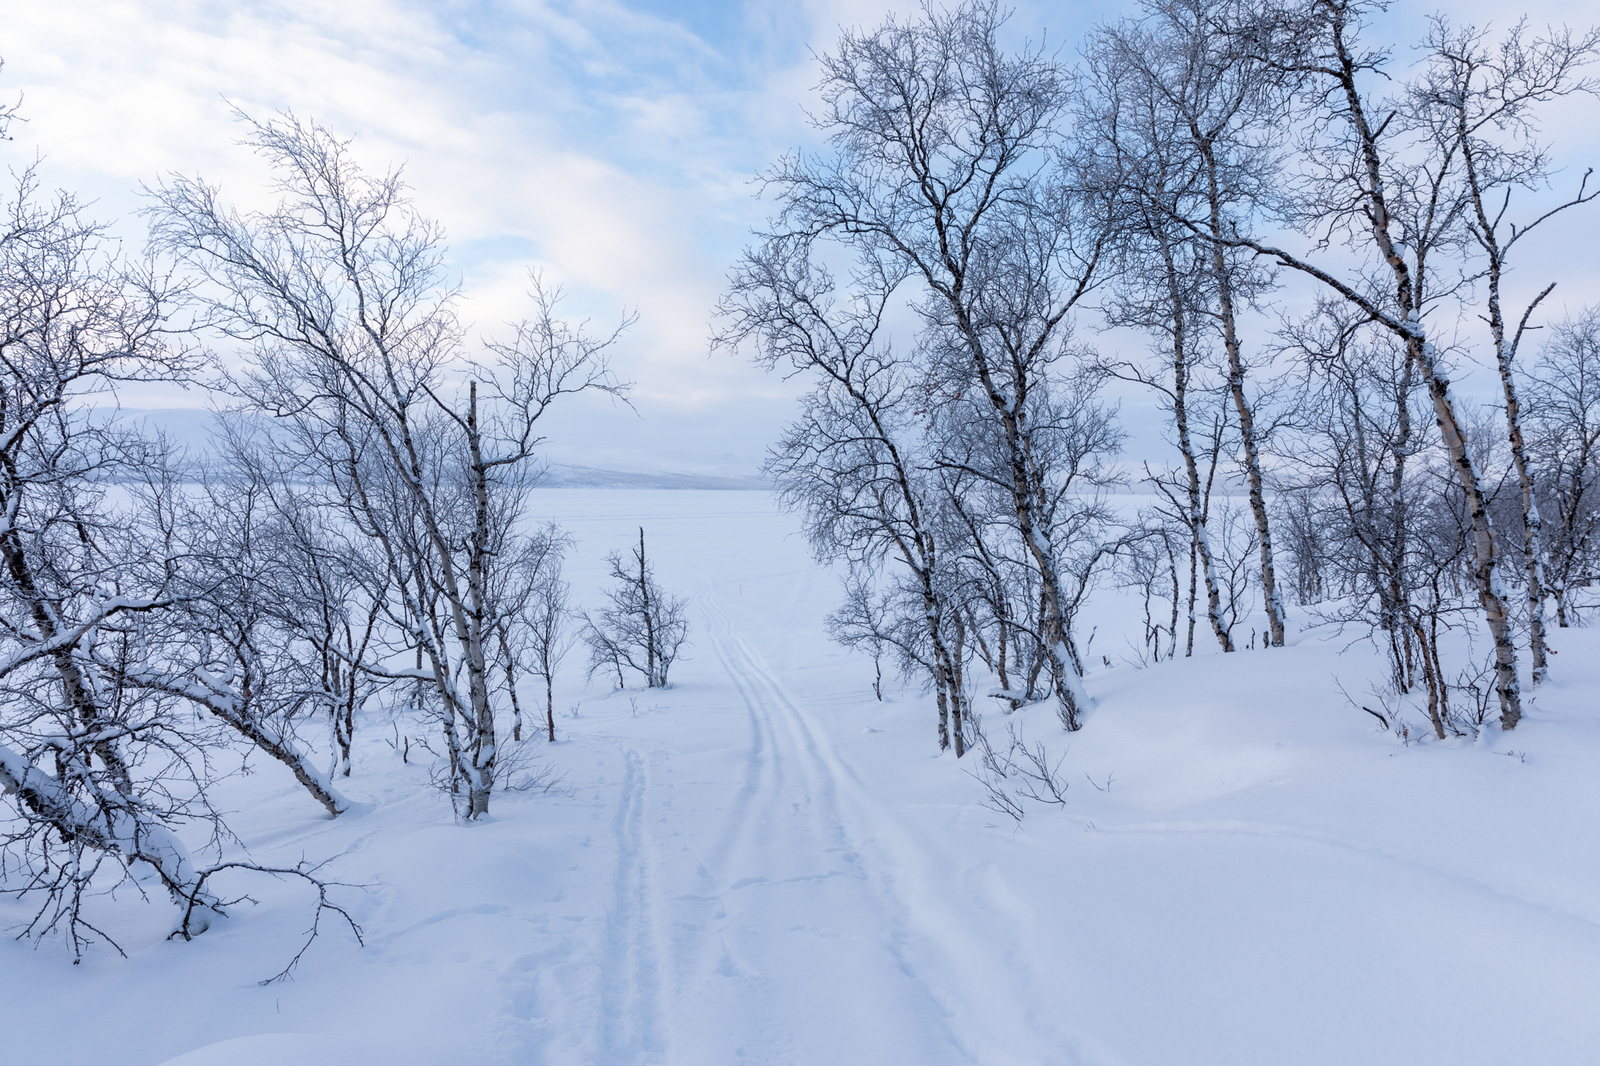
x: 97, y: 771
x: 535, y: 632
x: 1181, y: 111
x: 1563, y: 426
x: 1479, y: 99
x: 855, y: 463
x: 1370, y: 174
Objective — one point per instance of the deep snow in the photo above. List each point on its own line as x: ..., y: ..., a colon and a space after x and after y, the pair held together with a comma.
x: 762, y: 864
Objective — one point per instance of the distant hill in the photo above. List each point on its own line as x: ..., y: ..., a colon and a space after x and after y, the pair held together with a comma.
x: 585, y: 477
x: 189, y: 430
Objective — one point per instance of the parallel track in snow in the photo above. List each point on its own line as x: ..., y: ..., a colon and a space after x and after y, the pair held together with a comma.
x: 772, y: 908
x: 630, y: 1011
x: 799, y: 907
x: 932, y: 948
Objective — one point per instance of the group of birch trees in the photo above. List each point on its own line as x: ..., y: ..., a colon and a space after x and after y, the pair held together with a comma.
x: 963, y: 444
x: 359, y: 535
x: 1310, y: 238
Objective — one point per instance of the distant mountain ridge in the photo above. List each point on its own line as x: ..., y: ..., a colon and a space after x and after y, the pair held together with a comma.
x: 563, y: 476
x: 190, y: 431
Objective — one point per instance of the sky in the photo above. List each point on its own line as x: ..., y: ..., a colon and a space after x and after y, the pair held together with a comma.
x: 610, y: 145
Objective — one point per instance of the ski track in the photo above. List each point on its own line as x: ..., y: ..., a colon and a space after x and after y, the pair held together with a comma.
x: 813, y: 899
x: 812, y: 922
x: 787, y: 814
x: 630, y: 1015
x: 951, y: 933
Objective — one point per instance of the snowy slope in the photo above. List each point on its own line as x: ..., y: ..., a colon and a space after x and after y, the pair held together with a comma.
x: 765, y: 865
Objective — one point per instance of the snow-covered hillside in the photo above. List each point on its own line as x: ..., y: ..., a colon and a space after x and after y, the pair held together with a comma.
x: 763, y: 864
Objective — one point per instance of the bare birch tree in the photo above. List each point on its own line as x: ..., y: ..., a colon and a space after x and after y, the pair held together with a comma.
x: 1564, y: 429
x: 228, y: 646
x: 1190, y: 113
x: 354, y: 341
x: 1158, y: 295
x: 949, y: 166
x: 97, y: 772
x: 642, y: 628
x: 853, y: 464
x: 1370, y: 179
x: 1478, y: 99
x: 534, y: 633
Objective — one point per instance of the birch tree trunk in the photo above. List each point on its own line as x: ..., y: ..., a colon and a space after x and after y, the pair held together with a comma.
x: 1272, y: 600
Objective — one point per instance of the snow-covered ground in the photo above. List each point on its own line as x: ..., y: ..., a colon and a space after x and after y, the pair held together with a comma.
x: 765, y: 865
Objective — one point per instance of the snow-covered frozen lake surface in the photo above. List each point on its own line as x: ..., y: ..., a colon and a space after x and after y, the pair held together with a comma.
x: 763, y: 864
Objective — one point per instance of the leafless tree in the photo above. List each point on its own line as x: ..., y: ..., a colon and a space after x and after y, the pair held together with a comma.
x: 643, y: 628
x: 1371, y: 178
x: 97, y: 773
x: 990, y: 583
x: 1386, y: 524
x: 1169, y: 312
x: 8, y: 113
x: 1478, y: 99
x: 854, y: 464
x: 535, y: 635
x: 1187, y: 507
x: 339, y: 292
x: 1308, y: 545
x: 863, y: 621
x: 230, y: 644
x: 949, y: 167
x: 1069, y: 436
x: 1151, y: 567
x: 1187, y: 114
x: 1563, y: 423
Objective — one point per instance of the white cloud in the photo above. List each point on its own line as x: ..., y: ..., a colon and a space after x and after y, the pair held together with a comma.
x: 590, y: 139
x: 609, y: 143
